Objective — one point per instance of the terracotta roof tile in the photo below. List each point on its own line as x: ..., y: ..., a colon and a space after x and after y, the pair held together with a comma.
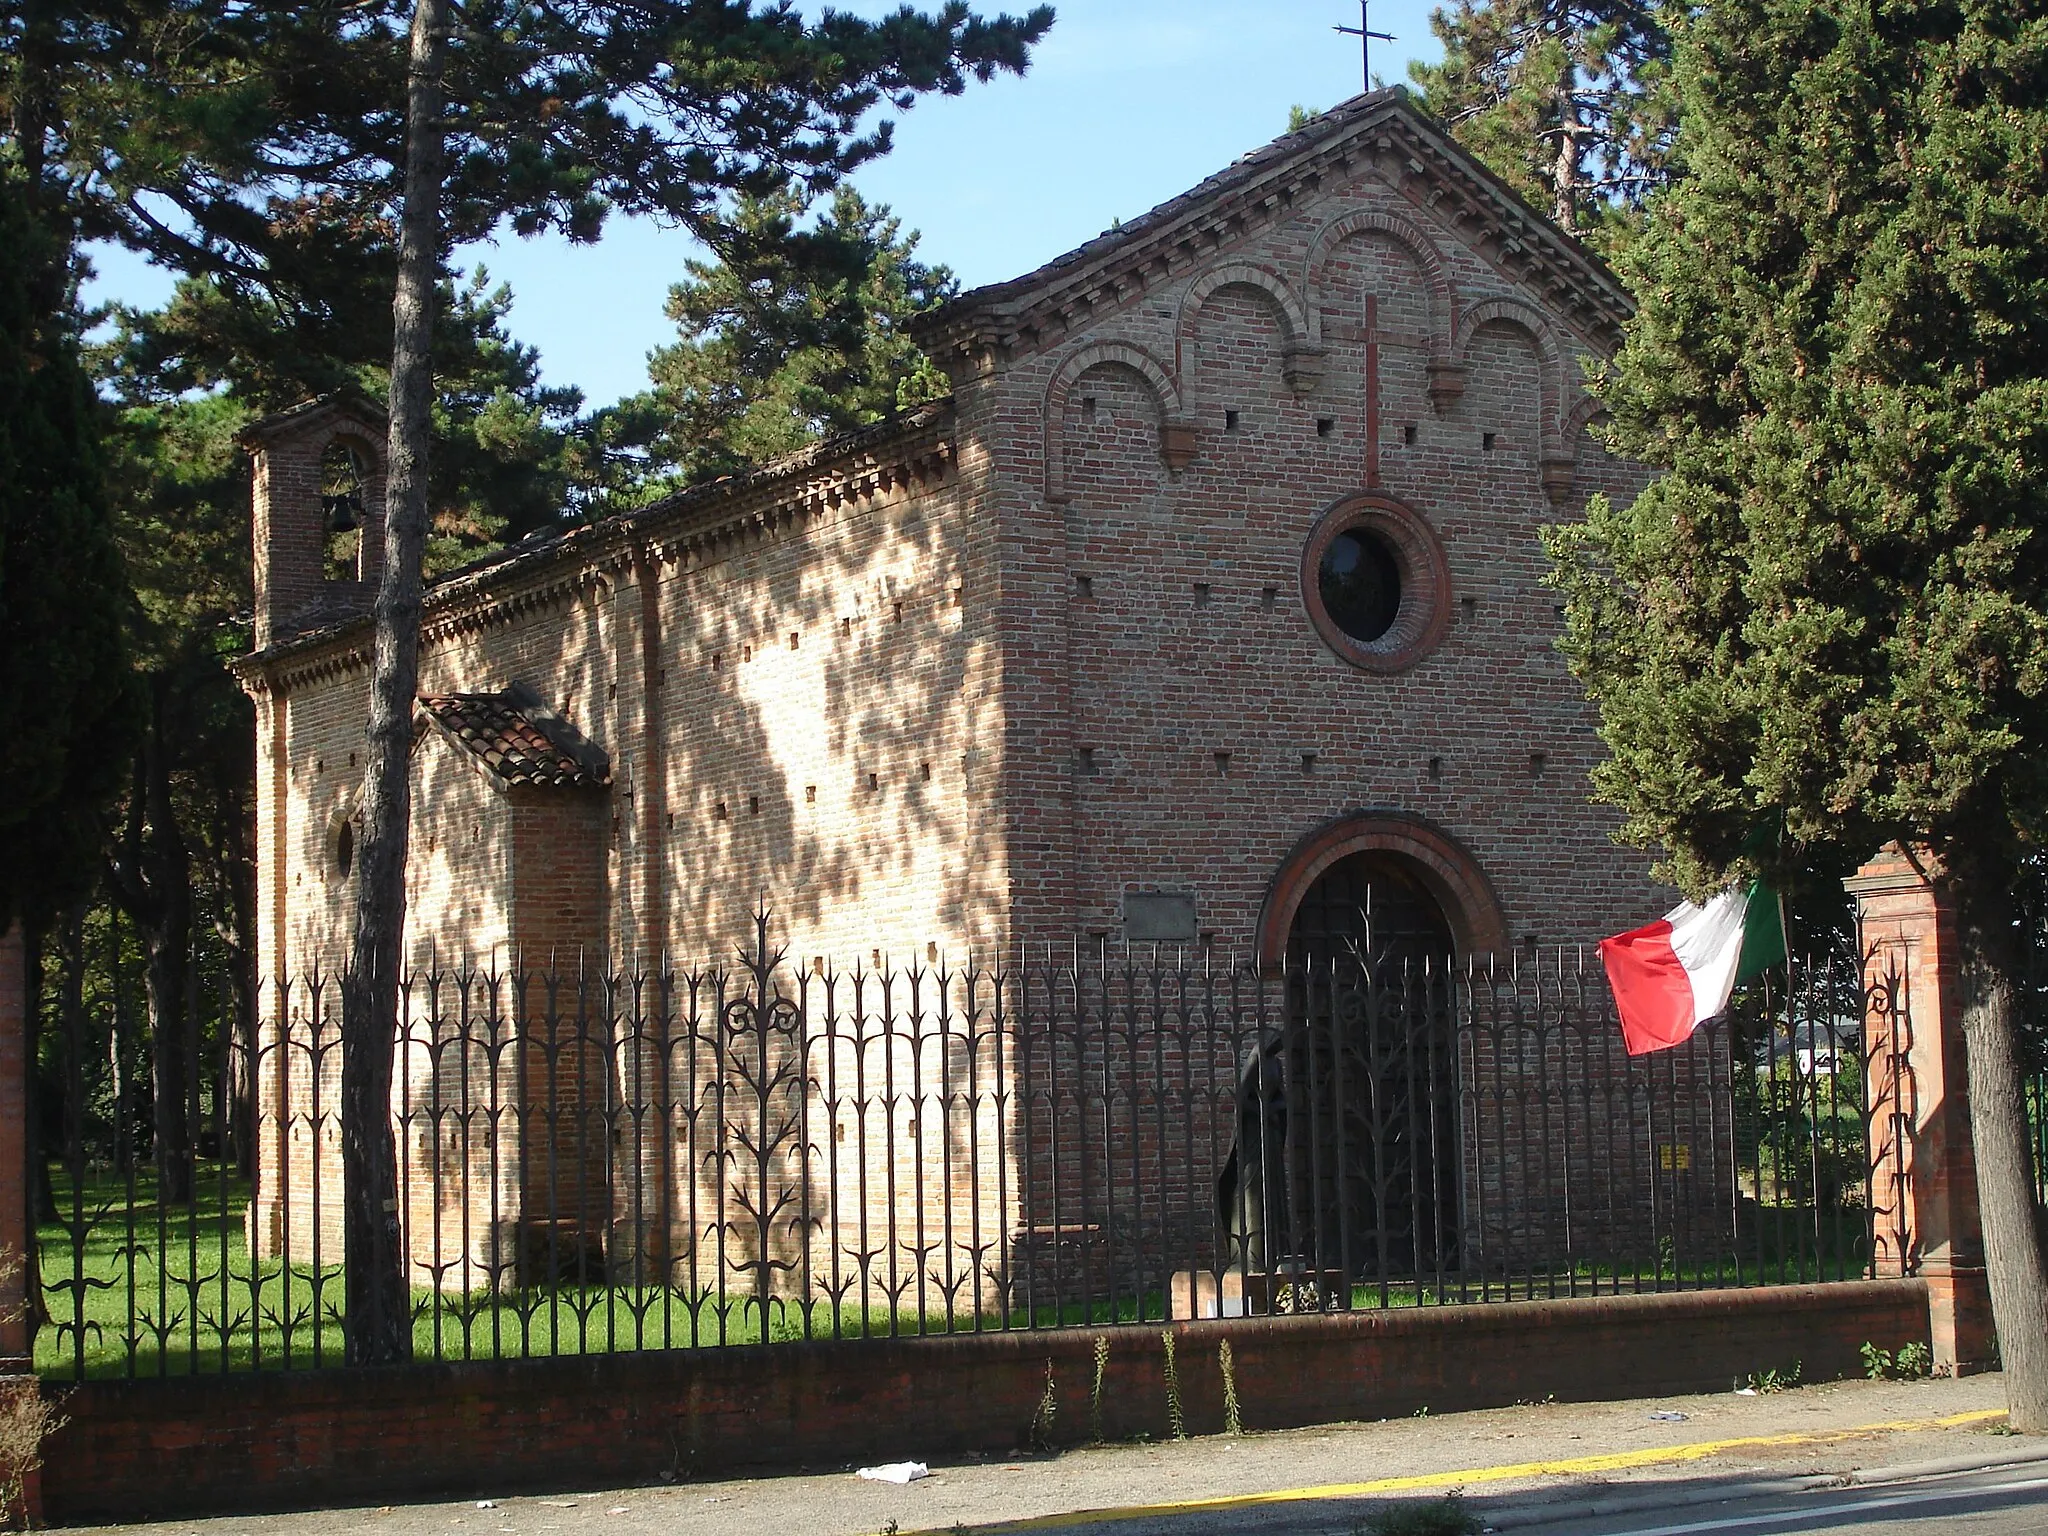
x: 500, y: 734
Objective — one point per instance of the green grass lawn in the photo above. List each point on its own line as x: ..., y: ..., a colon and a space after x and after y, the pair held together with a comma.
x: 183, y: 1296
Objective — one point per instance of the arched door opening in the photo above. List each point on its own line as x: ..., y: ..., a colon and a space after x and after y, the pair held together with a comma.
x: 1345, y: 1169
x: 1367, y: 907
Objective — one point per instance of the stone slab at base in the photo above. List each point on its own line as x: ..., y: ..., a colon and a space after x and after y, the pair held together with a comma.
x: 1197, y: 1293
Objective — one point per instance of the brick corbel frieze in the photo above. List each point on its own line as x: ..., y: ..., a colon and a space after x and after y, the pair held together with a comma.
x: 783, y: 499
x: 1395, y: 145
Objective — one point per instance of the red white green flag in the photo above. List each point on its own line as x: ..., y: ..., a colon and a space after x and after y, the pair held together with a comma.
x: 1672, y: 976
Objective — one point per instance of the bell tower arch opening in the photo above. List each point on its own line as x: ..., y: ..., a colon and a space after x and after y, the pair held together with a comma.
x: 343, y: 510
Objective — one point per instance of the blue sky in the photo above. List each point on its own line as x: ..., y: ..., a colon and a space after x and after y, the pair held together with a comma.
x: 1129, y: 103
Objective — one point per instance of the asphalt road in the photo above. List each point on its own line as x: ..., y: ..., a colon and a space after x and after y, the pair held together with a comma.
x: 1995, y: 1501
x: 1988, y: 1501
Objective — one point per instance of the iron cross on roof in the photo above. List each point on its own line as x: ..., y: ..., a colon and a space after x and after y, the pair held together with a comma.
x: 1365, y: 34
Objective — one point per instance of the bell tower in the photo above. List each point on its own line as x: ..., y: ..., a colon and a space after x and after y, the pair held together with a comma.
x: 317, y: 484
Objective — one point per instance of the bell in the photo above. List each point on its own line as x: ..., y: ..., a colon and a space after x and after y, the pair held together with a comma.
x: 343, y: 509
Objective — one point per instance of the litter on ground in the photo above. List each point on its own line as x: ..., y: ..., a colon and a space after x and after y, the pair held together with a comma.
x: 895, y: 1472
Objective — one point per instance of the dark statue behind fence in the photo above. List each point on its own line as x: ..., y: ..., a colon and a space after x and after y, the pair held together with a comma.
x: 593, y: 1161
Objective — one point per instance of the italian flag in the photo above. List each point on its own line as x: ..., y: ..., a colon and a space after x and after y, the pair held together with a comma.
x: 1672, y: 976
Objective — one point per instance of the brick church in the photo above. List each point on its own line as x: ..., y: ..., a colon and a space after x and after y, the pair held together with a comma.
x: 1208, y: 611
x: 1210, y: 598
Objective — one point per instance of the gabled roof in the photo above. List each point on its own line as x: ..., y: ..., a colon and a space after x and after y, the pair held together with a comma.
x: 347, y: 403
x: 1383, y: 128
x: 511, y: 740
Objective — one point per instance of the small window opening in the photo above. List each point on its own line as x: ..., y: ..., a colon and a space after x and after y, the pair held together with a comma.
x: 717, y: 661
x: 1538, y: 761
x: 959, y: 596
x: 1269, y: 597
x: 1084, y: 586
x: 1486, y: 441
x: 1308, y: 762
x: 874, y: 782
x: 810, y: 794
x: 1201, y: 594
x: 1325, y: 425
x: 1084, y: 762
x: 924, y: 772
x: 846, y: 626
x: 1436, y: 767
x: 753, y: 805
x: 1087, y: 407
x: 345, y: 849
x: 899, y: 613
x: 794, y: 639
x: 1230, y: 421
x: 1470, y: 605
x: 718, y: 811
x: 1223, y: 765
x: 341, y: 511
x: 1408, y: 435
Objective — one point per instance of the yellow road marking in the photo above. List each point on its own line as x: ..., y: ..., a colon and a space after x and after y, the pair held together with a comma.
x: 1615, y: 1461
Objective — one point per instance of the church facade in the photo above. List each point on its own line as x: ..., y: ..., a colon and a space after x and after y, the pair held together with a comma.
x: 1208, y: 611
x: 1219, y: 569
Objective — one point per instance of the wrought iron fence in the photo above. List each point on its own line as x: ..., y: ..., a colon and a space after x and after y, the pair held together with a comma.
x: 765, y: 1151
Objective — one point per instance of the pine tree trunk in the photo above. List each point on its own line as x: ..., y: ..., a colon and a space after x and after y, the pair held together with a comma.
x: 150, y: 879
x: 167, y: 941
x: 1564, y: 173
x: 166, y: 978
x: 1991, y: 972
x: 378, y: 1323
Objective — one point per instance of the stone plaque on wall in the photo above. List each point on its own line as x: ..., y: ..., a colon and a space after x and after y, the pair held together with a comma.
x: 1159, y: 917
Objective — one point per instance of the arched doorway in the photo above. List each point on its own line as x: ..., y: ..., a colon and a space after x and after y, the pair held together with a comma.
x: 1367, y: 906
x: 1345, y: 1170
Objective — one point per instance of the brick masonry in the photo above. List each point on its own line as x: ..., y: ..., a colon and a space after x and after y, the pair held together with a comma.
x: 1924, y: 1186
x: 363, y: 1437
x: 981, y: 678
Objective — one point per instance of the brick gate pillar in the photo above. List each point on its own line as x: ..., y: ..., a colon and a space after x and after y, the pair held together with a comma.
x: 1924, y: 1167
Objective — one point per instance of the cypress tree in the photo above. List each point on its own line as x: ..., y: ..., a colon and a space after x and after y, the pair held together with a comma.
x: 64, y: 689
x: 1834, y: 603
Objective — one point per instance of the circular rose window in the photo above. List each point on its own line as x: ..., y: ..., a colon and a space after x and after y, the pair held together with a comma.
x: 1375, y: 582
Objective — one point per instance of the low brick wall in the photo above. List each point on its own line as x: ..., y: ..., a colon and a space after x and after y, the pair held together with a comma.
x: 136, y: 1450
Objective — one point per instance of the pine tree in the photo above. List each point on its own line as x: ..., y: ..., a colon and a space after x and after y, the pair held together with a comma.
x: 1563, y: 99
x: 797, y: 333
x: 1834, y: 603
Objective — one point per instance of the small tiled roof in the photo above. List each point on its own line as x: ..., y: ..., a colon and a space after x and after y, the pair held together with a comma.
x: 500, y: 734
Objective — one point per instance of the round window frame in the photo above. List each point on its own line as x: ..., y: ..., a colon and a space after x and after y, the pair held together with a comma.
x: 1424, y: 612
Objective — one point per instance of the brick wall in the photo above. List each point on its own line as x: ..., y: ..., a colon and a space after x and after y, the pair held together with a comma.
x: 475, y: 1430
x: 1175, y: 722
